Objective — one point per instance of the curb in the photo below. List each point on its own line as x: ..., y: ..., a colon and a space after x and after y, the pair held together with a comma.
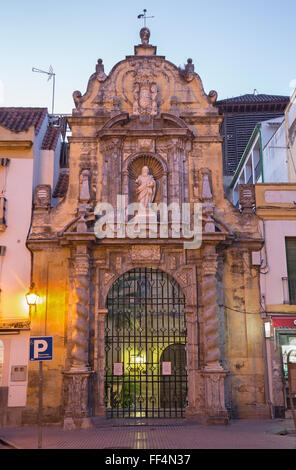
x: 8, y: 443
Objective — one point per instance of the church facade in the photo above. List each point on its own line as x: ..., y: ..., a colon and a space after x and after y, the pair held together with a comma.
x: 145, y: 325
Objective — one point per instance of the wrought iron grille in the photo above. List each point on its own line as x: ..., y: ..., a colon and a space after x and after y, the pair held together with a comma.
x: 145, y: 347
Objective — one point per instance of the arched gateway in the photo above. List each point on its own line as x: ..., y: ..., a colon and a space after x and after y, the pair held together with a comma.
x: 145, y: 339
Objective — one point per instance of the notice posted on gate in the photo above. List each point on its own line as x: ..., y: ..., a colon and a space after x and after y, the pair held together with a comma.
x: 118, y: 368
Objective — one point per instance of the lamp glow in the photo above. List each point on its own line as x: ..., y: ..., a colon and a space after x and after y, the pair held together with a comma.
x: 31, y: 296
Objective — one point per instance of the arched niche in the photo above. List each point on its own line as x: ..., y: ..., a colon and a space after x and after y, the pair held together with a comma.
x: 157, y: 168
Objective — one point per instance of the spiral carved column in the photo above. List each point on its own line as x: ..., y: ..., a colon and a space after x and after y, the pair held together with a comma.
x: 76, y: 379
x: 213, y: 372
x: 210, y: 307
x: 81, y: 328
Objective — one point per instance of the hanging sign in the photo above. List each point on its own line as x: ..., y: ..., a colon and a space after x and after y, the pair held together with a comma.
x: 284, y: 322
x: 166, y: 368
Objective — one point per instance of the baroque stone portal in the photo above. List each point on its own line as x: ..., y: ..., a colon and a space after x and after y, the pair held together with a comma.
x: 147, y: 131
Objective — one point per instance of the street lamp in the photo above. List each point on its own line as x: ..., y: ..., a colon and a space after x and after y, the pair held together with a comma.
x: 32, y: 296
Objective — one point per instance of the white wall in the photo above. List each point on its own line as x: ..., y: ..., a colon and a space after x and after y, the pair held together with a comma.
x: 16, y: 353
x: 16, y: 264
x: 271, y: 283
x: 37, y: 154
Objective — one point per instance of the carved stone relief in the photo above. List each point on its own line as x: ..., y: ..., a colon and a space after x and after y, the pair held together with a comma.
x: 145, y: 93
x: 42, y: 196
x: 144, y: 253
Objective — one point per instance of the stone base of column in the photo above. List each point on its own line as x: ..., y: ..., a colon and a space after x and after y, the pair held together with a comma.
x: 215, y: 410
x: 76, y: 384
x: 101, y: 411
x: 76, y: 423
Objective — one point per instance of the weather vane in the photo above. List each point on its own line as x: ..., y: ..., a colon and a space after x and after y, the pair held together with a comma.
x: 144, y: 17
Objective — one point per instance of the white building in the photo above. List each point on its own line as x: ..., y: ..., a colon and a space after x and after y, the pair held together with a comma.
x: 29, y: 155
x: 269, y: 163
x: 265, y: 158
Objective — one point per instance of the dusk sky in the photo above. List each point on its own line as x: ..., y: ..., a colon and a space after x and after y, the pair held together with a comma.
x: 236, y: 46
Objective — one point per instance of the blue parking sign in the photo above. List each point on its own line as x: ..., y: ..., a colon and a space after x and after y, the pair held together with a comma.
x: 41, y: 348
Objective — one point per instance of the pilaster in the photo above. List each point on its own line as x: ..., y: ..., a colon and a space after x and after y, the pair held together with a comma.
x: 76, y: 379
x: 213, y: 373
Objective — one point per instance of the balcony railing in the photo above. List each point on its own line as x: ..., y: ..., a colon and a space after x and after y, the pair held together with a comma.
x: 289, y: 290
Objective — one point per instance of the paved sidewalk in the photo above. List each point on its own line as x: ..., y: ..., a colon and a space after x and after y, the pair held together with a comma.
x: 241, y: 434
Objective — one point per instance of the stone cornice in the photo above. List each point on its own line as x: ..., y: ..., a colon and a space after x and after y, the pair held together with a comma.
x: 279, y: 213
x: 205, y: 119
x: 281, y: 309
x: 15, y: 144
x: 87, y: 120
x: 170, y: 132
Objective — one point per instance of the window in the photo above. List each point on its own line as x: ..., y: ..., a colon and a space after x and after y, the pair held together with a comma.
x: 291, y: 268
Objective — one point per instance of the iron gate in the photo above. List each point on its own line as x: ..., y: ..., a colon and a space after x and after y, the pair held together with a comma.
x: 145, y: 341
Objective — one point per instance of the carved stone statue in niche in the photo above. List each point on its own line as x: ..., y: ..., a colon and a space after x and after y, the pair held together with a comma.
x: 146, y: 187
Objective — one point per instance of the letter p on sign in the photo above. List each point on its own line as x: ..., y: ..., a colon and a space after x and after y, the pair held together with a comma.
x: 41, y: 348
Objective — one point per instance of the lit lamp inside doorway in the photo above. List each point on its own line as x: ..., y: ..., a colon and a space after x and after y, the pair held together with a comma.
x: 138, y: 363
x: 32, y: 298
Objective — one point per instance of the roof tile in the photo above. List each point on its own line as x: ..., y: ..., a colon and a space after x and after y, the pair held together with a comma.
x: 20, y: 119
x: 251, y: 98
x: 51, y: 138
x: 62, y: 184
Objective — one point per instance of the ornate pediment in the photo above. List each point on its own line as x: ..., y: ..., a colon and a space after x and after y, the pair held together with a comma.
x: 144, y: 85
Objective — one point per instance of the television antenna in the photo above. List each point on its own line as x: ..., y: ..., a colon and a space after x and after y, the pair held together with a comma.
x: 51, y: 75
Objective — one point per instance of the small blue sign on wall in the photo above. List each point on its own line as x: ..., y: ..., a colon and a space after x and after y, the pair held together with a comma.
x: 41, y: 348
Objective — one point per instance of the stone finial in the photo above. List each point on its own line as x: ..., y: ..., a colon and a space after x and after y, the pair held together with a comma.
x: 100, y: 71
x: 145, y: 35
x: 188, y: 72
